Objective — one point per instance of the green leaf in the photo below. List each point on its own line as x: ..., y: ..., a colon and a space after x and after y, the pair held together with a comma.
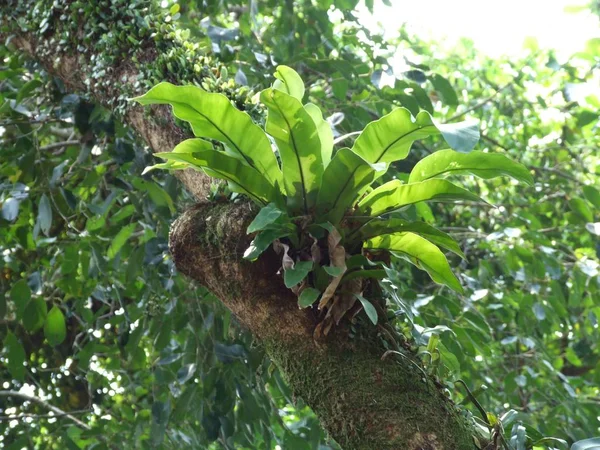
x: 334, y: 271
x: 120, y: 239
x: 483, y: 165
x: 394, y: 195
x: 289, y: 81
x: 581, y: 208
x: 368, y: 307
x: 343, y: 180
x: 379, y: 227
x: 299, y: 146
x: 262, y: 241
x: 221, y: 165
x: 445, y: 89
x: 55, y: 329
x: 35, y: 314
x: 266, y: 216
x: 592, y: 195
x: 390, y: 138
x: 16, y: 356
x: 324, y: 131
x: 308, y: 297
x: 213, y: 116
x: 20, y: 294
x: 292, y: 277
x: 45, y: 214
x: 586, y: 444
x: 420, y: 252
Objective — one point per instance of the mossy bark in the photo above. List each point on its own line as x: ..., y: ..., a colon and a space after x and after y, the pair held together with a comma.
x: 363, y: 401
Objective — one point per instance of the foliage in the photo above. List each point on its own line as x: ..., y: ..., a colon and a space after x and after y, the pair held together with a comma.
x: 149, y: 361
x: 313, y: 191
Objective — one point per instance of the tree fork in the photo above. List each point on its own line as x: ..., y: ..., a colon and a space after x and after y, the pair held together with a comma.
x: 364, y: 402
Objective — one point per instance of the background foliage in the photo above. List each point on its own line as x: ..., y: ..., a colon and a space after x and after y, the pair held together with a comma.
x: 145, y: 358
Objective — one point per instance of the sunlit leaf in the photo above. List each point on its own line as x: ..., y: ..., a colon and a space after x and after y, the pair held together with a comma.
x: 345, y: 177
x: 299, y: 146
x: 221, y: 165
x: 289, y: 81
x: 390, y: 138
x: 378, y: 227
x: 213, y: 116
x: 55, y: 328
x: 483, y: 165
x: 324, y: 131
x: 395, y: 195
x: 420, y: 252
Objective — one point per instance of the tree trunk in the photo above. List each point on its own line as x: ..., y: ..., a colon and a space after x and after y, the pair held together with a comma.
x: 364, y: 402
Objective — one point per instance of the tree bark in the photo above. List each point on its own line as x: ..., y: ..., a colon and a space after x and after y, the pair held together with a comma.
x: 364, y: 402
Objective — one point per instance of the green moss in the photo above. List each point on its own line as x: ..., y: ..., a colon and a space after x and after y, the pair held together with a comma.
x: 117, y: 38
x: 360, y: 415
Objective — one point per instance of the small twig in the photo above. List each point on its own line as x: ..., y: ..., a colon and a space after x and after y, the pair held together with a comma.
x: 41, y: 416
x: 480, y: 104
x: 59, y: 145
x: 39, y: 401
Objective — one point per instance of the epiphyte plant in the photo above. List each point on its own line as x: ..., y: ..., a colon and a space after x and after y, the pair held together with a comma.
x: 324, y: 211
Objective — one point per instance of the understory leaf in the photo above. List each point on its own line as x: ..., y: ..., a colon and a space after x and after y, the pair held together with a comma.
x: 294, y: 275
x: 266, y: 216
x: 308, y: 297
x: 368, y: 307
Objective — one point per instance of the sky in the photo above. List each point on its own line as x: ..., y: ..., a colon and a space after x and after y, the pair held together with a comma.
x: 496, y: 27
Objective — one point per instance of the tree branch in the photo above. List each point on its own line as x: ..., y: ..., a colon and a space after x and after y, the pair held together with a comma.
x: 44, y: 404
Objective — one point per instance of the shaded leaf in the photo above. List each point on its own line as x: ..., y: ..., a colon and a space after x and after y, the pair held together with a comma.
x: 308, y: 297
x: 45, y: 214
x: 294, y: 275
x: 16, y: 356
x: 368, y: 307
x: 445, y: 89
x: 34, y: 315
x: 266, y: 216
